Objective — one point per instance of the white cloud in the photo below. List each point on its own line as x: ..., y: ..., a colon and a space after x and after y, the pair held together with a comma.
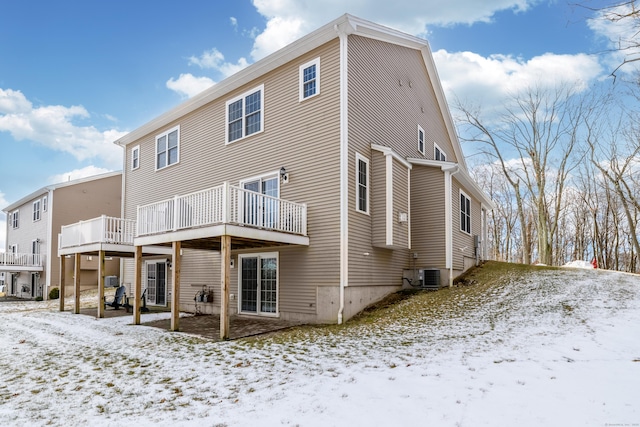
x: 288, y: 20
x: 188, y: 85
x: 622, y: 35
x: 214, y: 60
x: 77, y: 174
x: 469, y: 76
x: 53, y: 126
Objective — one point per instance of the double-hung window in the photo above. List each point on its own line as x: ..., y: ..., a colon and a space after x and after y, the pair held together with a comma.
x: 245, y: 114
x: 362, y: 184
x: 168, y: 148
x: 36, y: 211
x: 135, y: 157
x: 438, y: 154
x: 45, y: 203
x: 465, y: 213
x: 420, y: 140
x: 309, y: 79
x: 15, y: 219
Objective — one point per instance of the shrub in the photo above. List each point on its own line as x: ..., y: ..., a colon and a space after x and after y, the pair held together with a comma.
x: 39, y: 298
x: 54, y: 293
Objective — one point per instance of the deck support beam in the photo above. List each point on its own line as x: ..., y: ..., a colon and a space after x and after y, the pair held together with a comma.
x: 76, y: 284
x: 137, y: 284
x: 175, y: 286
x: 100, y: 313
x: 225, y: 272
x: 63, y: 275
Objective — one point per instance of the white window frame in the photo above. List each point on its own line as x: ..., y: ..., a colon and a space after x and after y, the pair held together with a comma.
x: 436, y: 150
x: 166, y: 134
x: 243, y: 97
x: 463, y: 224
x: 135, y: 156
x: 301, y: 82
x: 15, y: 219
x: 37, y: 212
x: 45, y: 202
x: 360, y: 158
x: 259, y: 255
x: 421, y: 144
x: 166, y: 281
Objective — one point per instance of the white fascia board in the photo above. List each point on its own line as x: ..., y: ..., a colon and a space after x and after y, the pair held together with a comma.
x: 347, y: 24
x: 387, y: 151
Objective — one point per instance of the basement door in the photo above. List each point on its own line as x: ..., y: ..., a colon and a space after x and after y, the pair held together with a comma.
x: 156, y: 282
x: 258, y: 283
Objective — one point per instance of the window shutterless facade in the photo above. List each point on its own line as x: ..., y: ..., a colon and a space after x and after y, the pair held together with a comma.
x: 15, y: 219
x: 362, y: 184
x: 36, y: 211
x: 168, y: 148
x: 420, y: 140
x: 465, y: 213
x: 438, y: 154
x: 309, y: 79
x: 245, y: 114
x: 135, y: 157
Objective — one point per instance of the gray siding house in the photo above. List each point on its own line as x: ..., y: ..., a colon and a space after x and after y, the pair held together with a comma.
x: 29, y: 262
x: 305, y: 187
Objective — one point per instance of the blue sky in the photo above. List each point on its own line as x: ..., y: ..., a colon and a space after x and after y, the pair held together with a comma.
x: 76, y: 74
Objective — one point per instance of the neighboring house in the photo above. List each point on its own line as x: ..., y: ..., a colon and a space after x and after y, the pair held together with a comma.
x: 304, y: 187
x: 30, y: 263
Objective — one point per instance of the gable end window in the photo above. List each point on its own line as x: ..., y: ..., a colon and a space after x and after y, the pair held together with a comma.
x: 15, y: 219
x: 135, y: 157
x: 420, y: 140
x: 465, y: 213
x: 310, y: 79
x: 168, y: 148
x: 36, y: 211
x: 45, y: 203
x: 245, y: 115
x: 438, y: 154
x: 362, y: 184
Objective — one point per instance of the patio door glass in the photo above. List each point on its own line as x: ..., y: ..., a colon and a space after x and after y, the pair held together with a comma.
x: 259, y: 284
x: 157, y: 283
x: 261, y: 211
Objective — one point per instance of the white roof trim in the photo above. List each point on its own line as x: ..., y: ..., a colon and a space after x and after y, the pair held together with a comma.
x: 349, y: 24
x: 45, y: 190
x: 390, y: 152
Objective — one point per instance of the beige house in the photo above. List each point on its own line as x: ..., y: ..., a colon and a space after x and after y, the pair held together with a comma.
x: 29, y: 262
x: 304, y: 187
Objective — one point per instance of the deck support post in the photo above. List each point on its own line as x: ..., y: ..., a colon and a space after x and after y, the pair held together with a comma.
x: 175, y: 286
x: 62, y: 290
x: 225, y: 247
x: 137, y: 284
x: 76, y: 284
x: 100, y: 313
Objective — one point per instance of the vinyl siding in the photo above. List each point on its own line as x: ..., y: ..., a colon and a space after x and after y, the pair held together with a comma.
x: 463, y: 242
x: 390, y: 94
x: 378, y: 199
x: 428, y: 216
x: 400, y: 204
x: 303, y: 137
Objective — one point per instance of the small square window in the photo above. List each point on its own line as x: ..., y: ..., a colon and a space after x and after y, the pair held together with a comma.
x: 309, y: 79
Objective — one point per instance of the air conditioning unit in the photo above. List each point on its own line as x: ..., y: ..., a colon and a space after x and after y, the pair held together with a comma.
x: 111, y: 281
x: 429, y: 278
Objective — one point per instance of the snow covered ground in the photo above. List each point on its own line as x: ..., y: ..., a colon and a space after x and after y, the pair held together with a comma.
x: 553, y: 348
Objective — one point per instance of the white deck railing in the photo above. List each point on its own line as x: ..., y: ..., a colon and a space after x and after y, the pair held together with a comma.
x: 225, y: 204
x: 103, y: 229
x: 21, y: 259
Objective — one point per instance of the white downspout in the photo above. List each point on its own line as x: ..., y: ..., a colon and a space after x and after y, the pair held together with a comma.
x: 344, y: 169
x: 449, y: 171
